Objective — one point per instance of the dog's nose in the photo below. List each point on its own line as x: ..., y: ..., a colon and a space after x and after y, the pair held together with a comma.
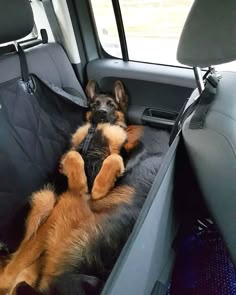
x: 102, y: 112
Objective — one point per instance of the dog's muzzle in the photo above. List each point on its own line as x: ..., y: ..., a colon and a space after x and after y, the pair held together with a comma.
x: 101, y: 115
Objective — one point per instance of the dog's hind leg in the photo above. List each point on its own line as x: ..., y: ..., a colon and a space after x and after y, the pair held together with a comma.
x: 112, y: 168
x: 28, y: 252
x: 29, y: 276
x: 42, y: 204
x: 32, y: 246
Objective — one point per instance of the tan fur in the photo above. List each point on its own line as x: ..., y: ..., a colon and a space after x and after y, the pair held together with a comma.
x: 112, y: 168
x: 121, y: 119
x: 73, y: 168
x: 118, y: 195
x: 63, y: 236
x: 133, y: 136
x: 42, y: 204
x: 120, y: 95
x: 28, y: 275
x: 88, y: 116
x: 115, y: 134
x: 80, y: 135
x: 60, y: 228
x: 73, y: 222
x: 91, y: 89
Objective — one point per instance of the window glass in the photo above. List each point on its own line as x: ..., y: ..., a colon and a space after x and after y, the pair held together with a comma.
x: 153, y: 28
x: 106, y: 26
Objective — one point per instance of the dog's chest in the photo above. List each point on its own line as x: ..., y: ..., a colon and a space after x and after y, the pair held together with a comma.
x: 97, y: 151
x: 98, y: 145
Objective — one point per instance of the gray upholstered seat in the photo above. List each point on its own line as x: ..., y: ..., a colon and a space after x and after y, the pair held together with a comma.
x: 47, y: 61
x: 208, y: 39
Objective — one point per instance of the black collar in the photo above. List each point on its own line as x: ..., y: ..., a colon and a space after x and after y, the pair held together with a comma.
x: 88, y: 138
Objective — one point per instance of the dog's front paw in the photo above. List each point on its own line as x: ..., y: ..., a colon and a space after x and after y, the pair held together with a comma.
x: 72, y: 166
x: 112, y: 168
x: 70, y: 161
x: 4, y: 285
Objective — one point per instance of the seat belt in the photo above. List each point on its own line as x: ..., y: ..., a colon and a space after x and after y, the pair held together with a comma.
x: 53, y: 21
x: 200, y: 105
x: 204, y: 102
x: 88, y: 139
x: 24, y: 70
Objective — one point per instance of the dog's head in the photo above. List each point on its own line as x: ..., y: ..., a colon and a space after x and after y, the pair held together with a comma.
x: 106, y: 108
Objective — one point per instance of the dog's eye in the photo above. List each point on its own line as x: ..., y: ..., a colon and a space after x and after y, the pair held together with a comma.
x: 109, y: 103
x: 97, y: 102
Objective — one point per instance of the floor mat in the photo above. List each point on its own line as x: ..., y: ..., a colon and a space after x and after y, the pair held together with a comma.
x: 203, y: 265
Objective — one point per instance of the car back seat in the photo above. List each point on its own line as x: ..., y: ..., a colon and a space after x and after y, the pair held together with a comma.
x: 49, y: 62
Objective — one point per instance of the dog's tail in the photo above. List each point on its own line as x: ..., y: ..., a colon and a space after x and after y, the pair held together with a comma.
x: 42, y: 204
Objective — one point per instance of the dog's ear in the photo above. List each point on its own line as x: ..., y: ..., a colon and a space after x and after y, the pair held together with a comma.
x: 120, y: 95
x: 91, y: 90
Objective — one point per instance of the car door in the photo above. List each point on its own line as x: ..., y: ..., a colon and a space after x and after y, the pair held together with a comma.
x: 118, y: 41
x: 136, y: 42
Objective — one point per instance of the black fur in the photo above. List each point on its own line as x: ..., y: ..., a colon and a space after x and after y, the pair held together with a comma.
x: 141, y: 170
x: 103, y: 109
x: 97, y: 151
x: 99, y: 258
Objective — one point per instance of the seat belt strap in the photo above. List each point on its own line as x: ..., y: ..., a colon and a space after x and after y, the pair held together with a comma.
x: 88, y: 139
x: 176, y: 126
x: 53, y: 21
x: 23, y: 64
x: 183, y: 114
x: 204, y: 102
x: 24, y: 69
x: 201, y: 106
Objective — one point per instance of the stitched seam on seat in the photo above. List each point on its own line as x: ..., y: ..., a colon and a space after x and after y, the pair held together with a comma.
x: 38, y: 135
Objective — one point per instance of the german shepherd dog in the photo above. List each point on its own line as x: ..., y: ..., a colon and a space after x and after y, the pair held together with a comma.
x: 80, y: 232
x: 106, y: 137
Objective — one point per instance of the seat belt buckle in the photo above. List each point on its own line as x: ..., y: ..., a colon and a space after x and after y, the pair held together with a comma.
x: 213, y: 80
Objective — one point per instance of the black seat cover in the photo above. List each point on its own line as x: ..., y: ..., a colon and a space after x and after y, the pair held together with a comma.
x: 35, y: 127
x: 35, y: 131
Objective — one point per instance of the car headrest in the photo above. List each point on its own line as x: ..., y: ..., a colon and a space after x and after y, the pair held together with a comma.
x: 16, y: 19
x: 209, y: 34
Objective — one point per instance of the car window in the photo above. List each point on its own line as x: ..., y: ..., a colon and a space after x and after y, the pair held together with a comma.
x: 152, y: 29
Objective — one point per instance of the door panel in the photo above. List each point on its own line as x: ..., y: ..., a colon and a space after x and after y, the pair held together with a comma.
x: 162, y: 88
x: 148, y: 256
